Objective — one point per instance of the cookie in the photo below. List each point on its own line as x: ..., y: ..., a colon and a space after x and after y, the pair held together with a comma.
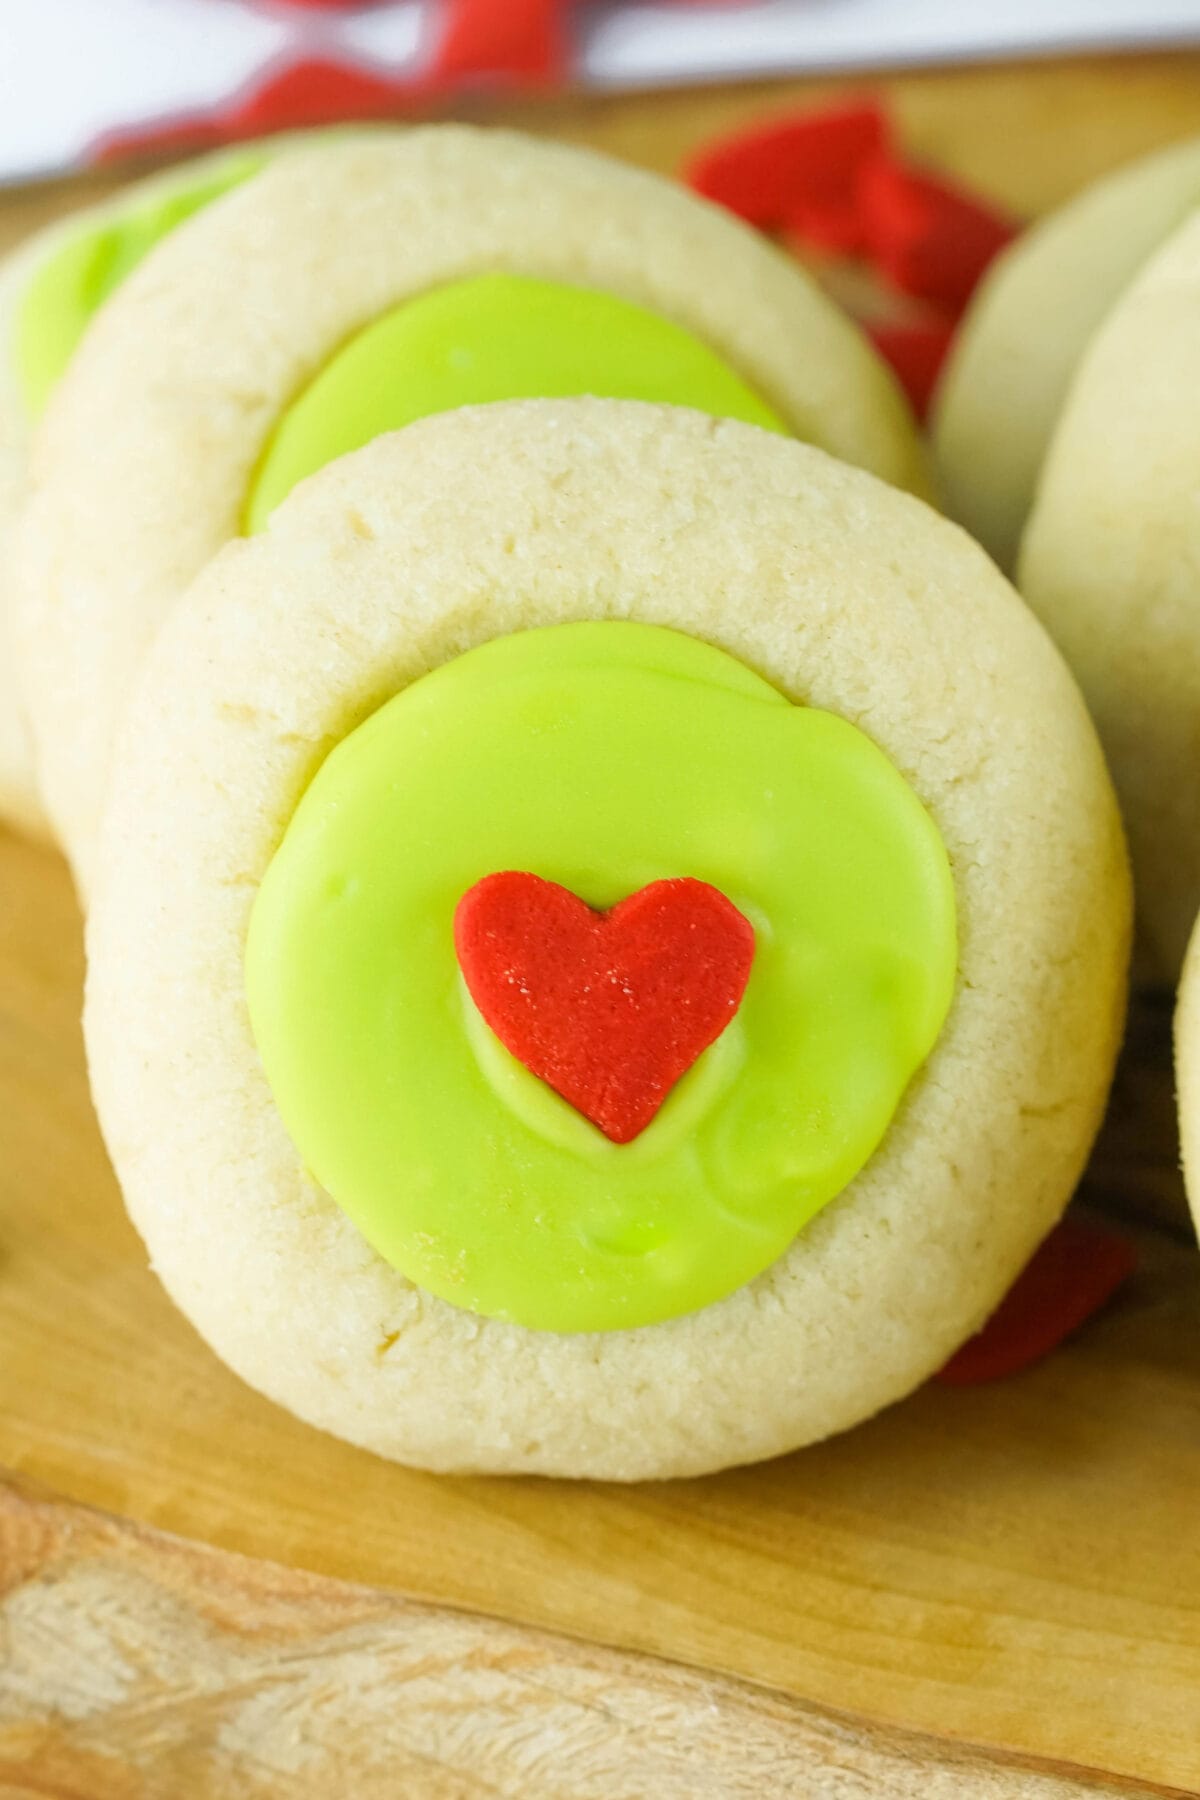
x: 501, y: 710
x: 297, y: 318
x: 1111, y: 563
x: 20, y: 804
x: 1013, y: 362
x: 49, y: 289
x: 1187, y: 1072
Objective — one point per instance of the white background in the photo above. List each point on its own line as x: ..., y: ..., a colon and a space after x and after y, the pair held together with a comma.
x: 71, y: 70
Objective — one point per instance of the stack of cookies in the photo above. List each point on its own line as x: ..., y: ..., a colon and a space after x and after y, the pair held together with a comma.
x: 607, y: 914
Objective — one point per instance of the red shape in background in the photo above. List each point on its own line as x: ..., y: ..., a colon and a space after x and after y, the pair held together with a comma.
x: 302, y: 94
x: 770, y: 172
x: 830, y: 182
x: 916, y: 354
x: 827, y: 223
x: 1070, y: 1276
x: 607, y: 1008
x: 521, y: 40
x: 925, y: 236
x: 315, y: 93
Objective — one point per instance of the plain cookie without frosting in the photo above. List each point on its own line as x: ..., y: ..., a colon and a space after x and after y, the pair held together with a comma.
x: 1013, y: 360
x: 20, y: 802
x: 1111, y: 564
x: 1187, y: 1072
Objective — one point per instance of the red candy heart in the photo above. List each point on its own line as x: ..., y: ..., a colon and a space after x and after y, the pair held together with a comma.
x: 607, y: 1008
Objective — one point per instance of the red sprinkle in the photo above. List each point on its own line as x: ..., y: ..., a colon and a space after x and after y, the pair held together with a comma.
x: 770, y: 173
x: 916, y: 354
x: 608, y: 1008
x: 926, y: 237
x: 1070, y: 1276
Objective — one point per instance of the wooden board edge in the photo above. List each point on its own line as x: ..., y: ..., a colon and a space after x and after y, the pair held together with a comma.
x: 135, y: 1663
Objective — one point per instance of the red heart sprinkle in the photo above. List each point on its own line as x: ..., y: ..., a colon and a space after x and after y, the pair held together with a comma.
x: 607, y: 1008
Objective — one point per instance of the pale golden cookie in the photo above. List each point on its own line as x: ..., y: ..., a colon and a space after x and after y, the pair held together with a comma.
x: 845, y: 594
x: 1013, y: 362
x: 188, y: 370
x: 1111, y: 564
x: 20, y: 802
x: 1187, y: 1071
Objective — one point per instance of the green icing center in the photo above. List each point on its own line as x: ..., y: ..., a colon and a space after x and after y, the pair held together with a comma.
x: 492, y: 337
x: 602, y: 756
x: 72, y: 283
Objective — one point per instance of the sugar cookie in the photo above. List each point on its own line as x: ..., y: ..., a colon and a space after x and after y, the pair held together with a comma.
x: 1013, y: 362
x: 49, y: 289
x: 1111, y: 563
x: 1187, y: 1072
x: 177, y: 403
x: 614, y: 650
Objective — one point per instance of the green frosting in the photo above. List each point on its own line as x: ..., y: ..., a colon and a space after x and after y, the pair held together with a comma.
x: 602, y: 756
x: 493, y: 337
x: 68, y: 287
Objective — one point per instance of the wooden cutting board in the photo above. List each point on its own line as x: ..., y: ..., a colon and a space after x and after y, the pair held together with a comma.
x: 988, y: 1592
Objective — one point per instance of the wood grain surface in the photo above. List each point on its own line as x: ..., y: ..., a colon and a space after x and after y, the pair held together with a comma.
x: 982, y: 1592
x: 139, y: 1664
